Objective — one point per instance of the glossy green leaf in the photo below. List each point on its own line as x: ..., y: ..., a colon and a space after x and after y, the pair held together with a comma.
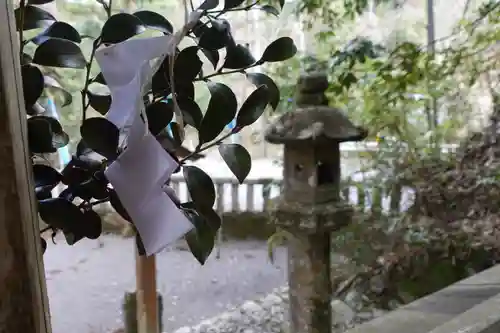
x: 281, y: 49
x: 39, y: 2
x: 253, y: 107
x: 207, y: 213
x: 221, y: 110
x: 200, y: 186
x: 40, y: 135
x: 209, y: 4
x: 100, y: 103
x: 43, y: 244
x: 237, y: 159
x: 201, y: 239
x: 159, y: 115
x: 59, y: 137
x: 33, y: 84
x: 56, y: 52
x: 216, y: 36
x: 102, y: 136
x: 155, y: 21
x: 92, y: 226
x: 238, y: 56
x: 191, y: 112
x: 45, y: 177
x: 229, y: 4
x: 118, y: 207
x: 33, y: 18
x: 274, y: 93
x: 60, y: 30
x: 60, y: 214
x: 120, y: 27
x: 187, y: 65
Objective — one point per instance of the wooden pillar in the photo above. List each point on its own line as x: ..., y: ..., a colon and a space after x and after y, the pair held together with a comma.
x: 147, y: 298
x: 23, y: 299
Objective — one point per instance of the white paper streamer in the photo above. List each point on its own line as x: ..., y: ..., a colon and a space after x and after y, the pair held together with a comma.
x: 138, y: 175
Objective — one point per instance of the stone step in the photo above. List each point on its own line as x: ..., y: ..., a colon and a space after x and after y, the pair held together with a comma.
x: 444, y: 307
x: 482, y: 318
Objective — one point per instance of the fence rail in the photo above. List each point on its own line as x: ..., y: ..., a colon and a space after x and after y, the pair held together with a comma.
x: 253, y: 194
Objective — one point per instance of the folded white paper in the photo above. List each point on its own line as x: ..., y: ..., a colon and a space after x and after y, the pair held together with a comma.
x: 138, y: 175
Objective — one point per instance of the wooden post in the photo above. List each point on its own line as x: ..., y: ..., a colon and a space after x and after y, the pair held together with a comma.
x: 147, y: 298
x: 23, y: 298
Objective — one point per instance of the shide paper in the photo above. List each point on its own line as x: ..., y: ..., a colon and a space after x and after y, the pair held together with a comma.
x: 139, y: 174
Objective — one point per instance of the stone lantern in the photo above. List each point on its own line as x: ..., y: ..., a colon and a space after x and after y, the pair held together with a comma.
x: 310, y: 206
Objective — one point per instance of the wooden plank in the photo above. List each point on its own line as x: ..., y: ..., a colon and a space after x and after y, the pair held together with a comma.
x: 23, y: 296
x: 147, y: 298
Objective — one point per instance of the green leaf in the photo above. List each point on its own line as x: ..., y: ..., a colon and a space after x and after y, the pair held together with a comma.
x: 268, y: 9
x: 59, y: 138
x: 56, y: 52
x: 281, y: 49
x: 102, y: 136
x: 60, y: 30
x: 282, y: 3
x: 45, y: 135
x: 238, y: 56
x: 159, y: 115
x: 200, y: 186
x: 274, y: 93
x: 100, y: 103
x: 253, y: 107
x: 117, y: 206
x: 221, y: 110
x: 187, y: 65
x: 215, y: 37
x: 191, y: 112
x: 209, y: 4
x: 44, y: 245
x: 33, y: 18
x: 212, y: 56
x: 38, y: 2
x: 33, y: 84
x: 92, y: 228
x: 45, y: 177
x: 155, y: 21
x: 200, y: 240
x: 60, y: 214
x: 120, y: 27
x: 208, y: 214
x: 229, y: 4
x: 237, y: 159
x: 61, y: 96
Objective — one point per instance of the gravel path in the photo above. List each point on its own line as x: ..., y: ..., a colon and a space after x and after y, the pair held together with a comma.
x: 86, y: 282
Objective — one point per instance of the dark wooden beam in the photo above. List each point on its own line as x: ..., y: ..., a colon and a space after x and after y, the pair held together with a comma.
x: 23, y: 299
